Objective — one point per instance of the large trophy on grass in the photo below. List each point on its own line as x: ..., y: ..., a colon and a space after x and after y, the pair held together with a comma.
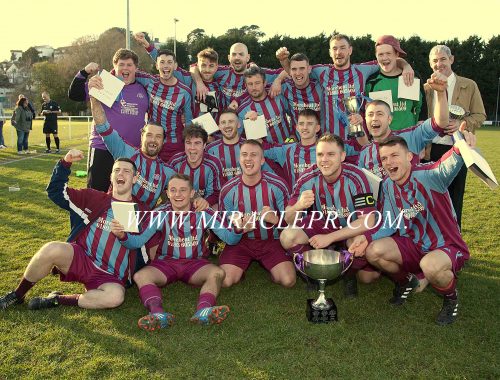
x: 322, y: 265
x: 352, y: 105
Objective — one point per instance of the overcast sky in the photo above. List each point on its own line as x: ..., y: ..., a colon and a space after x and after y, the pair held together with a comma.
x: 59, y: 22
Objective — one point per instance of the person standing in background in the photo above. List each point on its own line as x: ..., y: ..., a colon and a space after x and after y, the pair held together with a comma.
x: 50, y: 109
x: 23, y: 119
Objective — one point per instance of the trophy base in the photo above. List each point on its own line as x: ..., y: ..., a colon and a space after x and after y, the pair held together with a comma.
x: 355, y: 135
x: 321, y: 316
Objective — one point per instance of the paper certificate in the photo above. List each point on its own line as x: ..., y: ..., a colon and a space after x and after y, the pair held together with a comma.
x: 385, y: 95
x: 255, y: 129
x: 125, y: 213
x: 111, y: 88
x: 374, y: 182
x: 409, y: 92
x: 207, y: 122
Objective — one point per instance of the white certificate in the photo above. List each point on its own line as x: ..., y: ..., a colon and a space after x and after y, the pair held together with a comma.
x: 409, y: 92
x: 255, y: 129
x: 374, y: 182
x: 385, y: 95
x: 207, y: 122
x: 125, y: 213
x: 111, y: 88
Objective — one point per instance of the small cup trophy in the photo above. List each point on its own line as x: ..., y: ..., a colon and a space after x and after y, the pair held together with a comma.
x: 322, y: 265
x: 456, y: 112
x: 352, y: 105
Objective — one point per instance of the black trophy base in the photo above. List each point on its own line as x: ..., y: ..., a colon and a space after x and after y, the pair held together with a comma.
x: 321, y: 316
x: 355, y: 135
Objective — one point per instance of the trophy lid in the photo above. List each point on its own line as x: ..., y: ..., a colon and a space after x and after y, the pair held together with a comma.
x: 456, y: 111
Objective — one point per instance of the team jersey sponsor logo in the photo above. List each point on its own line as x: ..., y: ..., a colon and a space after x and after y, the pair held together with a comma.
x: 299, y: 168
x: 338, y: 91
x: 413, y: 211
x: 163, y: 103
x: 131, y: 109
x: 183, y: 242
x: 302, y: 106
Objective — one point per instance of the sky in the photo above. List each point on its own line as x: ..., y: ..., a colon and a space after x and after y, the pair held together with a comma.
x: 59, y: 22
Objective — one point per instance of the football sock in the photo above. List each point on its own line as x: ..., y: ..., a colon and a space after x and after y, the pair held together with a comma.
x: 151, y: 298
x: 47, y: 142
x: 206, y: 300
x: 23, y: 288
x: 449, y: 291
x: 68, y: 300
x: 400, y: 278
x: 56, y: 139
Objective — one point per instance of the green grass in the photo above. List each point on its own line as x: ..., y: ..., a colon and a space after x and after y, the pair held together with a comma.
x: 266, y: 335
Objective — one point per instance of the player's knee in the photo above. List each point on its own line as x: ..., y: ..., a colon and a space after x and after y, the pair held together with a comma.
x: 374, y: 252
x: 430, y: 267
x: 368, y: 277
x: 113, y: 299
x: 288, y: 280
x: 288, y: 238
x: 230, y: 279
x: 218, y: 274
x: 51, y: 251
x: 139, y: 277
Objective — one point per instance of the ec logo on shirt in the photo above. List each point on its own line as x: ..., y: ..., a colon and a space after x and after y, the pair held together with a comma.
x: 363, y: 200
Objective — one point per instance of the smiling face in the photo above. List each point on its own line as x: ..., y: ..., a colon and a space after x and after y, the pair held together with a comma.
x: 340, y: 52
x: 194, y: 148
x: 299, y: 71
x: 122, y: 178
x: 256, y: 87
x: 251, y: 160
x: 386, y: 58
x: 228, y: 125
x: 166, y: 66
x: 180, y: 194
x: 207, y: 69
x: 329, y: 158
x: 238, y: 57
x: 307, y: 127
x: 396, y: 161
x: 441, y: 63
x: 378, y: 118
x: 152, y: 140
x: 125, y: 68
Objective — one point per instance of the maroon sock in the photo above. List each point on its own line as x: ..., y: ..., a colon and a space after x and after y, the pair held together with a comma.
x: 400, y: 277
x: 206, y: 300
x: 449, y: 291
x: 23, y: 288
x: 151, y: 298
x: 68, y: 300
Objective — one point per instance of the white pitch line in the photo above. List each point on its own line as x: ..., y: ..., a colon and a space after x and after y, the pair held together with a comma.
x: 23, y: 158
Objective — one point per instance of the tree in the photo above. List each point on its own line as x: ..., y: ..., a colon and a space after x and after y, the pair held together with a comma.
x: 30, y: 57
x: 195, y: 35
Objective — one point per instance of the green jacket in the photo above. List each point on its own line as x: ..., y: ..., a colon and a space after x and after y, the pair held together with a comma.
x: 23, y: 119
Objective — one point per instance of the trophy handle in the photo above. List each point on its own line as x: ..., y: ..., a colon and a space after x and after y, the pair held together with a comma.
x: 298, y: 260
x: 348, y: 256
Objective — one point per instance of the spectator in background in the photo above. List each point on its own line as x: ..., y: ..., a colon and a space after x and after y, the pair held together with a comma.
x: 23, y: 119
x: 2, y: 142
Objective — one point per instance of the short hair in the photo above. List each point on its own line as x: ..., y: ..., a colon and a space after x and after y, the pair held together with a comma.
x: 338, y: 37
x: 126, y: 54
x: 126, y: 159
x: 183, y: 177
x: 331, y: 138
x: 167, y: 53
x: 393, y: 141
x: 255, y: 70
x: 440, y: 49
x: 307, y: 112
x: 228, y: 110
x: 299, y: 57
x: 20, y: 101
x: 143, y: 129
x: 195, y: 130
x: 209, y: 54
x: 253, y: 143
x: 379, y: 102
x: 45, y: 92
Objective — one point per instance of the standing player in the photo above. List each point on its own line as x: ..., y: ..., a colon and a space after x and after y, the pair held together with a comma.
x: 183, y: 257
x: 50, y: 109
x: 204, y: 170
x: 259, y: 196
x: 427, y: 237
x: 94, y: 257
x: 126, y: 115
x: 260, y: 103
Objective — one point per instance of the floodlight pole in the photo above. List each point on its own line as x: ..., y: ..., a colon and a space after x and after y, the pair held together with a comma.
x: 175, y: 35
x: 496, y: 109
x: 127, y: 38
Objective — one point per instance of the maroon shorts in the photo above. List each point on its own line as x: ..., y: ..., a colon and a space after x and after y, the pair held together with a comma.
x: 315, y: 227
x: 268, y: 253
x: 83, y: 270
x: 178, y: 269
x: 411, y: 255
x: 169, y: 149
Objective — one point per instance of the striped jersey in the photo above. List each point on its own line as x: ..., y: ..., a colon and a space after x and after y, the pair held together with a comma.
x: 298, y: 99
x: 152, y: 174
x: 416, y: 137
x: 167, y: 105
x: 182, y: 233
x: 349, y: 193
x: 271, y: 191
x: 428, y: 217
x: 337, y: 85
x: 207, y: 177
x: 275, y: 113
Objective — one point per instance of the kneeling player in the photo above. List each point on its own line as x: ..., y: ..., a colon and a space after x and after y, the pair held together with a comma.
x: 182, y: 256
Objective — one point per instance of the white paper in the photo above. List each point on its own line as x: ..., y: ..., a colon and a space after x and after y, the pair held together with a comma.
x: 477, y: 164
x: 111, y: 88
x: 203, y: 106
x: 374, y: 182
x: 385, y: 95
x: 207, y: 122
x: 255, y: 129
x: 409, y: 92
x: 125, y: 213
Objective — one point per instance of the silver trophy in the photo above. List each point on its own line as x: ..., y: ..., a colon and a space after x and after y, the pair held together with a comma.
x: 456, y: 112
x: 352, y: 105
x: 322, y: 265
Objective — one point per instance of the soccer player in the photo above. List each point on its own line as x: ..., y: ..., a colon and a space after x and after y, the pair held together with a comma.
x: 426, y: 238
x: 182, y: 256
x: 260, y: 196
x: 204, y: 170
x: 258, y: 102
x: 405, y: 112
x: 50, y: 109
x: 378, y: 120
x: 126, y: 115
x: 94, y: 256
x: 341, y: 80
